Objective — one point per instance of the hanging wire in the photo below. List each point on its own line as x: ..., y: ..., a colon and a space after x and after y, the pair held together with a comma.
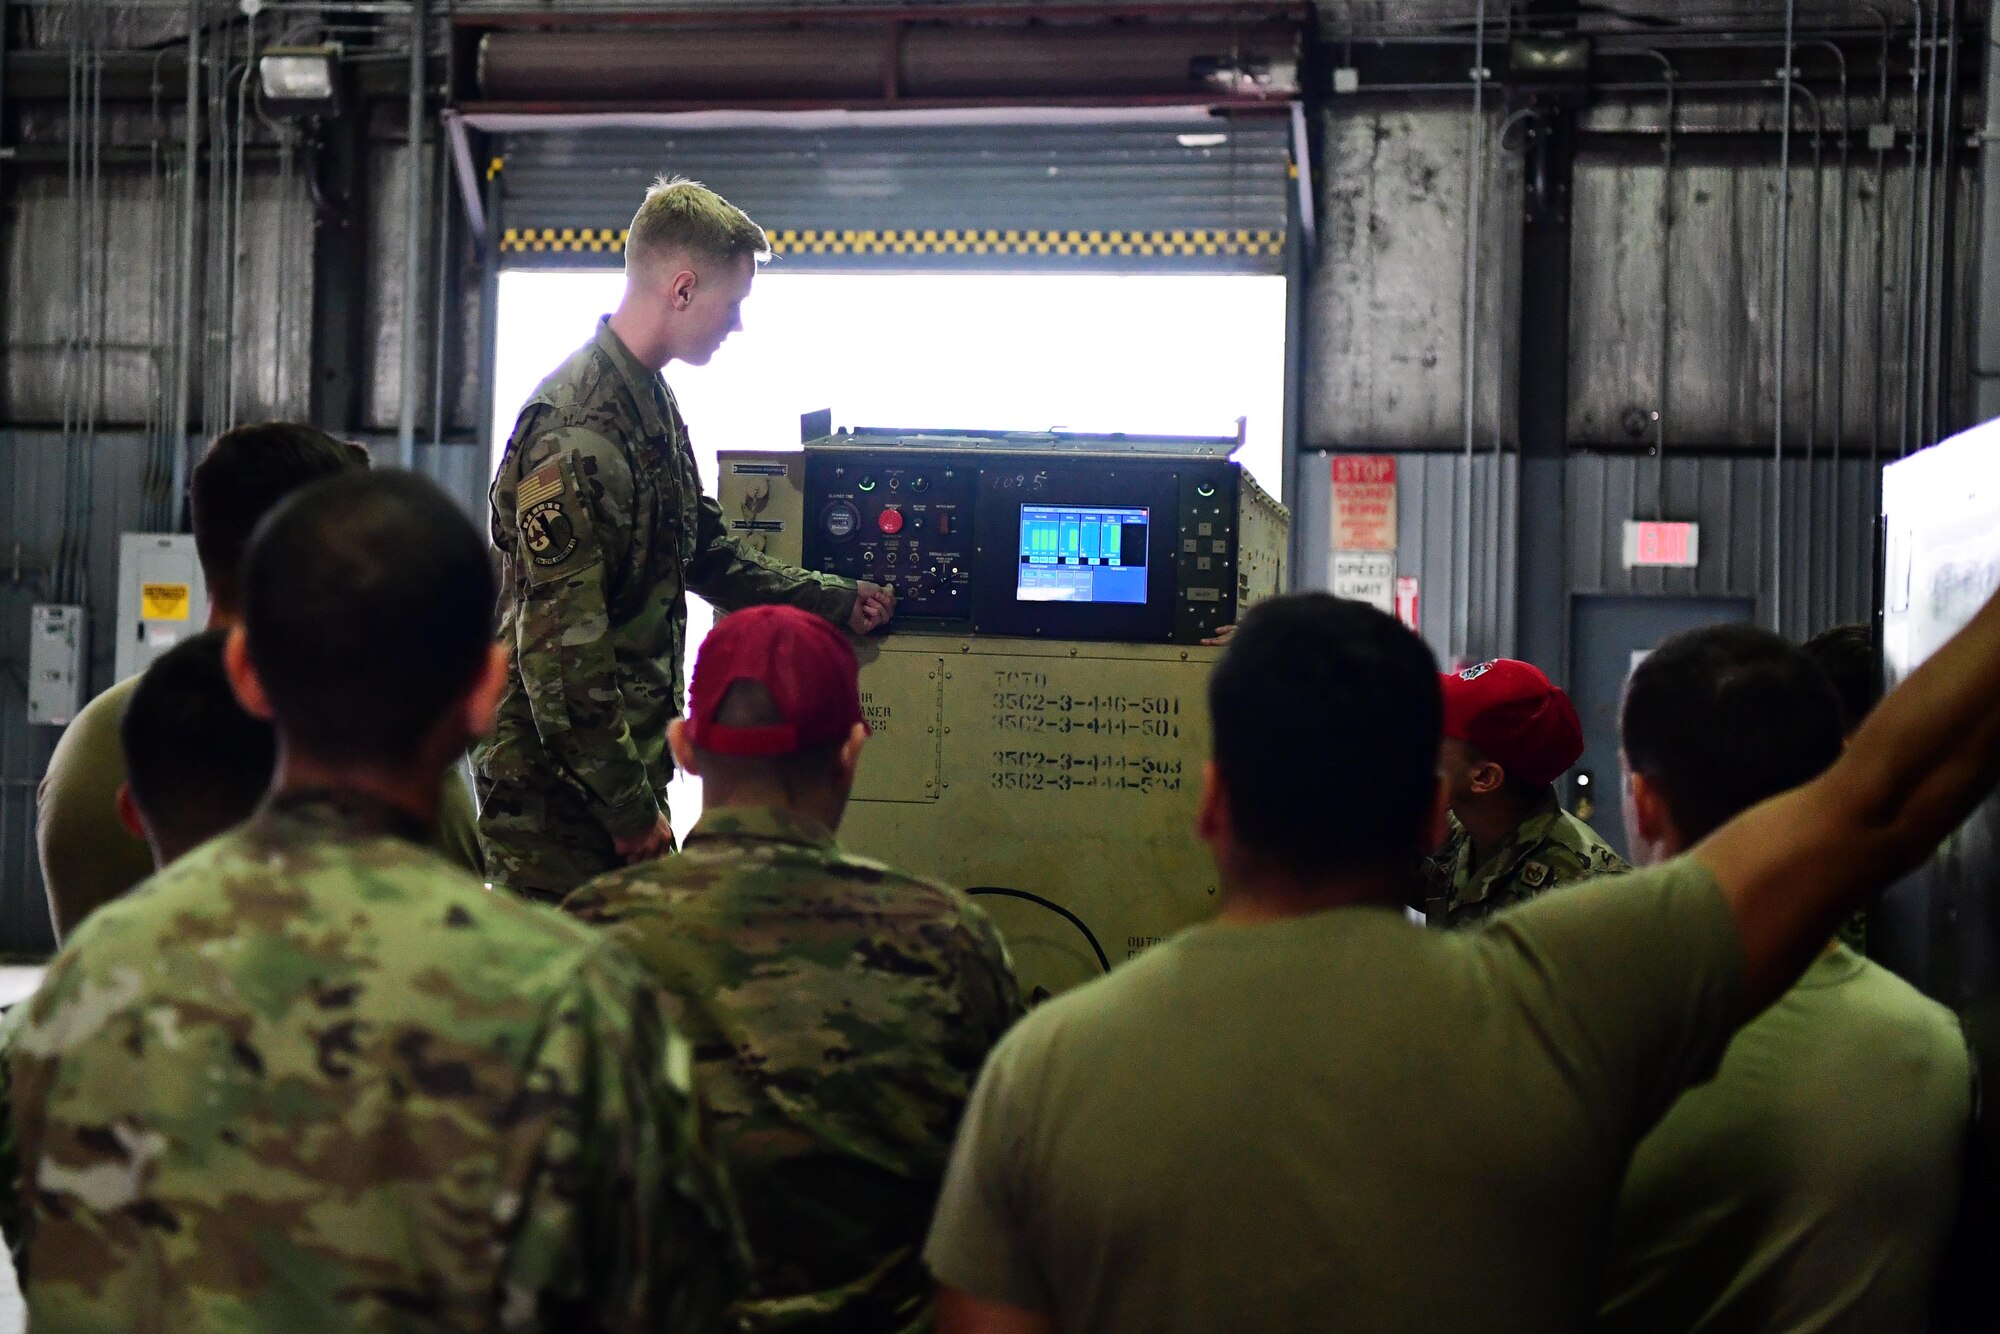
x: 238, y: 247
x: 1475, y: 181
x: 157, y: 192
x: 1781, y: 315
x: 287, y: 266
x: 71, y: 351
x: 97, y: 317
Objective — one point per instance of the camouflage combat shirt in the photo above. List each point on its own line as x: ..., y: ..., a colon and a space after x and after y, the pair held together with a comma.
x: 314, y: 1077
x: 602, y: 528
x: 840, y: 1013
x: 1551, y: 848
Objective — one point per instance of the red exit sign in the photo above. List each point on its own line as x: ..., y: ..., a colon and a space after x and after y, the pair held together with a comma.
x: 1673, y: 545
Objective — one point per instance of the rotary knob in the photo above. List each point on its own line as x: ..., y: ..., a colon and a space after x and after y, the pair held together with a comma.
x: 840, y: 521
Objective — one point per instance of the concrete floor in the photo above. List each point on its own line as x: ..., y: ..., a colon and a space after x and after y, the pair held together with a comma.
x: 16, y: 984
x: 13, y: 1315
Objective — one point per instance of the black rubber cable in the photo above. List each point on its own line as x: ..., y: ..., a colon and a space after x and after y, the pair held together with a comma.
x: 1103, y: 961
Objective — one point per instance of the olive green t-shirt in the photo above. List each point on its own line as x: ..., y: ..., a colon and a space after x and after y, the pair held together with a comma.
x: 88, y: 859
x: 1341, y: 1121
x: 1812, y: 1183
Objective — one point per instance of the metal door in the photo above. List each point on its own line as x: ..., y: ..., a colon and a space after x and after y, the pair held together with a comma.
x: 1608, y: 636
x: 1140, y: 197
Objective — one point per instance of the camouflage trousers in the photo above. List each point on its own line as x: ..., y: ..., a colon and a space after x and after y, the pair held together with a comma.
x: 542, y: 843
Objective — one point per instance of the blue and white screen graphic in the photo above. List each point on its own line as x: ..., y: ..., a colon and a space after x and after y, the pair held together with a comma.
x: 1082, y: 553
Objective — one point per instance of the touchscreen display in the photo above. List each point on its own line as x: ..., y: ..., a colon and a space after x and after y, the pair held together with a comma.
x: 1082, y: 553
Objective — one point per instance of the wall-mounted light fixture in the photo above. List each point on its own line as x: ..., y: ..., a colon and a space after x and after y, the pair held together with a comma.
x: 1539, y: 58
x: 299, y: 80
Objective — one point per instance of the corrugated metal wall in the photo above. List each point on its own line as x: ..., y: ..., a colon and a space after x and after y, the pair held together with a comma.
x: 1824, y: 542
x: 140, y: 222
x: 1385, y: 338
x: 1385, y: 344
x: 273, y: 296
x: 1465, y: 591
x: 1825, y: 575
x: 1721, y: 280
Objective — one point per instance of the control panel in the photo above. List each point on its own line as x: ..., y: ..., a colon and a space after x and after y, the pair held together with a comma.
x: 904, y: 522
x: 1071, y: 537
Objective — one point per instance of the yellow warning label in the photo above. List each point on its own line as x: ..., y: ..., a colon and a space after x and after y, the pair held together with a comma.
x: 163, y: 602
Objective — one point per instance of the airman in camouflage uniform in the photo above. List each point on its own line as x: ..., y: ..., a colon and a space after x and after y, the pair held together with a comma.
x: 840, y: 1013
x: 1551, y: 848
x: 600, y: 520
x: 312, y: 1076
x: 1509, y: 733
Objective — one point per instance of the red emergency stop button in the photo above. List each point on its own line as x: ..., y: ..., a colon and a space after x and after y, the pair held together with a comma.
x: 890, y: 522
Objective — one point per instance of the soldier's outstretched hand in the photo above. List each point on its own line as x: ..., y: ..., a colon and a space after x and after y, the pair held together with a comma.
x: 873, y: 606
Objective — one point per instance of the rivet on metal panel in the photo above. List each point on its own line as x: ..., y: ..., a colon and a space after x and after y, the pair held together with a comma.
x: 1072, y: 653
x: 947, y: 731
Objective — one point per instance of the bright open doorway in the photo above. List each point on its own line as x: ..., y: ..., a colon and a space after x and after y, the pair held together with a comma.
x: 1160, y: 354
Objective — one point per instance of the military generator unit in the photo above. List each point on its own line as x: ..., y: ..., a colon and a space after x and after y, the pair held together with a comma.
x: 1038, y: 705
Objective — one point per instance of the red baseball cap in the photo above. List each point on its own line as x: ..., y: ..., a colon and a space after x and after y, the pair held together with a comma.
x: 806, y: 664
x: 1516, y: 716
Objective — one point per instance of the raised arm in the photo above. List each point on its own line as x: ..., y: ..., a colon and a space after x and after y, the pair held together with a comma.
x: 1797, y: 864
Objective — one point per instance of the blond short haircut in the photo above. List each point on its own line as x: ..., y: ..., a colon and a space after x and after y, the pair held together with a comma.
x: 679, y: 216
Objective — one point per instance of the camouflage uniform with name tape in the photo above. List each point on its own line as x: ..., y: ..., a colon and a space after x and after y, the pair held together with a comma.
x: 839, y: 1013
x: 314, y: 1077
x: 603, y: 529
x: 1550, y: 848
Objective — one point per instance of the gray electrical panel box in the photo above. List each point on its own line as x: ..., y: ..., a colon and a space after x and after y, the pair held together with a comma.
x: 55, y: 664
x: 161, y: 597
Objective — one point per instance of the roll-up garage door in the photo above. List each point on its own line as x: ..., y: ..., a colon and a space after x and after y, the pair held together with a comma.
x: 1186, y: 195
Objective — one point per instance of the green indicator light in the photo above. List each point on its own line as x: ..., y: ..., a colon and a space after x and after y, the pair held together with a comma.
x: 1204, y: 490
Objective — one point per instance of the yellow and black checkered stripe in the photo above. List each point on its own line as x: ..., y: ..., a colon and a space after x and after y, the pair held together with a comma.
x: 522, y: 240
x: 1178, y: 244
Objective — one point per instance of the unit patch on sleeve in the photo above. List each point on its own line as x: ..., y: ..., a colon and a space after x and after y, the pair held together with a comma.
x: 547, y: 513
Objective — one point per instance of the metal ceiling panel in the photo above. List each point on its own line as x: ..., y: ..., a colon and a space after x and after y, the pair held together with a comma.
x: 1202, y: 196
x: 1366, y: 14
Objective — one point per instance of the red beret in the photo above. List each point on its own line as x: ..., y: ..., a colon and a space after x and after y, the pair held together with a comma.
x: 806, y: 664
x: 1515, y: 716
